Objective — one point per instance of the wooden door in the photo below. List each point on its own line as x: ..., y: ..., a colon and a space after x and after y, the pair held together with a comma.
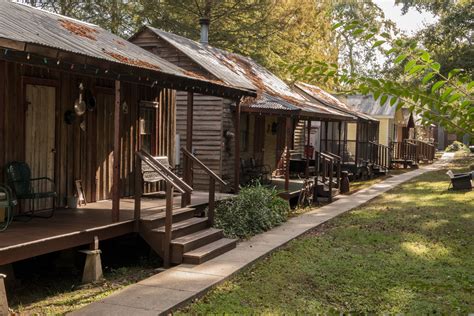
x: 40, y: 136
x: 104, y: 145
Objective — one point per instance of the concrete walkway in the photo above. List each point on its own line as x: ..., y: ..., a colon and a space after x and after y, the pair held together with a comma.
x: 177, y: 286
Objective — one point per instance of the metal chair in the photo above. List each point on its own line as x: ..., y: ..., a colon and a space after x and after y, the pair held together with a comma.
x: 19, y: 178
x: 7, y: 201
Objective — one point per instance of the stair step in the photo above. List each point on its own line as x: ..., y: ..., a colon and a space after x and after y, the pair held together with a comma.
x: 197, y: 239
x: 181, y: 213
x: 185, y: 227
x: 209, y: 251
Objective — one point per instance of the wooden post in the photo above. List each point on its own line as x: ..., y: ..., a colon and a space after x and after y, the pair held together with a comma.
x: 188, y: 164
x: 3, y: 296
x: 168, y: 226
x: 212, y: 205
x: 288, y: 134
x: 339, y: 142
x: 326, y: 125
x: 237, y: 148
x: 116, y: 165
x: 308, y: 143
x: 138, y: 190
x: 331, y: 171
x: 357, y: 145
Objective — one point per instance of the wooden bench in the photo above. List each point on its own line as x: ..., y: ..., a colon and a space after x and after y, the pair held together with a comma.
x: 150, y: 175
x: 460, y: 181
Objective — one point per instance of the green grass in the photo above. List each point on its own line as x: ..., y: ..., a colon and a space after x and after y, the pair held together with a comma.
x: 59, y: 296
x: 408, y: 251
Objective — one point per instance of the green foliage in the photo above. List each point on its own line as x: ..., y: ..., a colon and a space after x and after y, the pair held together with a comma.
x: 457, y: 146
x: 254, y: 210
x: 436, y: 95
x: 408, y: 251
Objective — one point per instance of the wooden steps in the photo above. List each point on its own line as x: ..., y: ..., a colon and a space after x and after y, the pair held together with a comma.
x: 193, y: 241
x: 209, y: 251
x: 185, y: 227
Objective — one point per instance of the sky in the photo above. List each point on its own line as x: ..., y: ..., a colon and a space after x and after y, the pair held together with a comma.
x: 410, y: 22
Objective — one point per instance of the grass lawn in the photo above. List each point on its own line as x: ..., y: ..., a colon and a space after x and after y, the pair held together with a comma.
x: 48, y: 295
x: 411, y: 250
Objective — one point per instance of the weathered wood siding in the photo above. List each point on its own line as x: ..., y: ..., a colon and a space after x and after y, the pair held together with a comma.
x: 212, y: 116
x: 79, y: 154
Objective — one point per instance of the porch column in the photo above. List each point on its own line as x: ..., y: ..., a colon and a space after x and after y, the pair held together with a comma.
x: 357, y: 143
x: 188, y: 171
x: 308, y: 143
x: 288, y: 135
x: 326, y: 127
x: 116, y: 165
x: 237, y: 148
x: 339, y: 143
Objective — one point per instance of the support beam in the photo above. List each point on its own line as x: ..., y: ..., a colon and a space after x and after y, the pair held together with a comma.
x: 188, y: 164
x: 237, y: 148
x: 138, y: 191
x: 116, y: 165
x: 308, y: 143
x: 93, y: 266
x: 339, y: 142
x: 288, y: 134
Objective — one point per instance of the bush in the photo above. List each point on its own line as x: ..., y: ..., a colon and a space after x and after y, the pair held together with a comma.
x: 457, y: 146
x: 256, y: 209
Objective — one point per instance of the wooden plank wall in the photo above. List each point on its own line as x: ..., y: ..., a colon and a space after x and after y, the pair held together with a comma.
x: 82, y: 154
x: 212, y: 115
x: 207, y: 134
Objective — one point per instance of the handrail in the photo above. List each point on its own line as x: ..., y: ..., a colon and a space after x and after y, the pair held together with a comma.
x: 332, y: 155
x: 172, y: 182
x: 204, y: 167
x: 167, y: 174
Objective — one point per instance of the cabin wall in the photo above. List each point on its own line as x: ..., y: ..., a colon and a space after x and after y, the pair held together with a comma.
x: 207, y: 134
x: 82, y: 154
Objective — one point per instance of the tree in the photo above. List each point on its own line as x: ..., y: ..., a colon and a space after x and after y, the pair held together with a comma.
x: 447, y: 99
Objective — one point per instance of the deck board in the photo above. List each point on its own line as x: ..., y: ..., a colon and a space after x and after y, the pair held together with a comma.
x: 70, y: 228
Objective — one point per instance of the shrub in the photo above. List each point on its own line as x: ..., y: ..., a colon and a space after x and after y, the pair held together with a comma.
x: 254, y: 210
x: 457, y: 146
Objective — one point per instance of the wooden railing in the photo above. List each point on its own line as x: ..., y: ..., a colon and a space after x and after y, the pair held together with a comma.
x: 405, y: 150
x: 380, y: 155
x: 425, y: 150
x: 172, y: 182
x: 325, y: 170
x: 212, y: 183
x: 337, y: 162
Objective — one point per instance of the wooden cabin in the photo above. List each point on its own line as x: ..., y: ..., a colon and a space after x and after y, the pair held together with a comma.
x: 78, y: 104
x: 262, y: 126
x: 398, y: 130
x: 355, y: 141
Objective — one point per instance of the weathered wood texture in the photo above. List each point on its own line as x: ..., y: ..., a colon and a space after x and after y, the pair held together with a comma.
x: 83, y: 154
x: 212, y: 116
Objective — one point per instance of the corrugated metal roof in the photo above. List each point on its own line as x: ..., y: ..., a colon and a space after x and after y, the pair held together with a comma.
x: 202, y: 55
x: 328, y: 99
x: 23, y: 23
x: 273, y: 93
x: 367, y: 104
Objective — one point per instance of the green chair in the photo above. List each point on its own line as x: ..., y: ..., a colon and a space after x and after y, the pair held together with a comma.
x: 19, y: 178
x: 7, y: 201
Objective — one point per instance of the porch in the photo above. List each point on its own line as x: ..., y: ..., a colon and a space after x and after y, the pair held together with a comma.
x: 71, y: 228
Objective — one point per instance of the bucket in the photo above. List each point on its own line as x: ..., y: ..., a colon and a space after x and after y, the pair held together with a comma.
x: 72, y: 202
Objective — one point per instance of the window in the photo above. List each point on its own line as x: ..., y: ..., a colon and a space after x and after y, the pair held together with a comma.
x: 244, y: 132
x: 147, y: 125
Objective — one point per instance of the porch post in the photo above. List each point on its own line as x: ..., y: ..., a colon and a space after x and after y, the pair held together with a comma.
x: 3, y: 296
x: 188, y: 172
x: 287, y: 152
x: 339, y: 144
x: 308, y: 143
x: 326, y: 127
x: 116, y: 165
x: 237, y: 147
x: 357, y: 143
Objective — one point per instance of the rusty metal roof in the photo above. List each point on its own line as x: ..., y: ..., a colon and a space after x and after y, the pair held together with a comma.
x: 272, y: 92
x: 367, y: 104
x: 328, y: 99
x: 25, y: 24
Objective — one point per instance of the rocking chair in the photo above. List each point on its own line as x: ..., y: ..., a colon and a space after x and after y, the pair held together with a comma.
x: 19, y: 178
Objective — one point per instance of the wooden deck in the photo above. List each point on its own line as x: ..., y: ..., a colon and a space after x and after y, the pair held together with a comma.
x: 71, y: 228
x: 294, y: 187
